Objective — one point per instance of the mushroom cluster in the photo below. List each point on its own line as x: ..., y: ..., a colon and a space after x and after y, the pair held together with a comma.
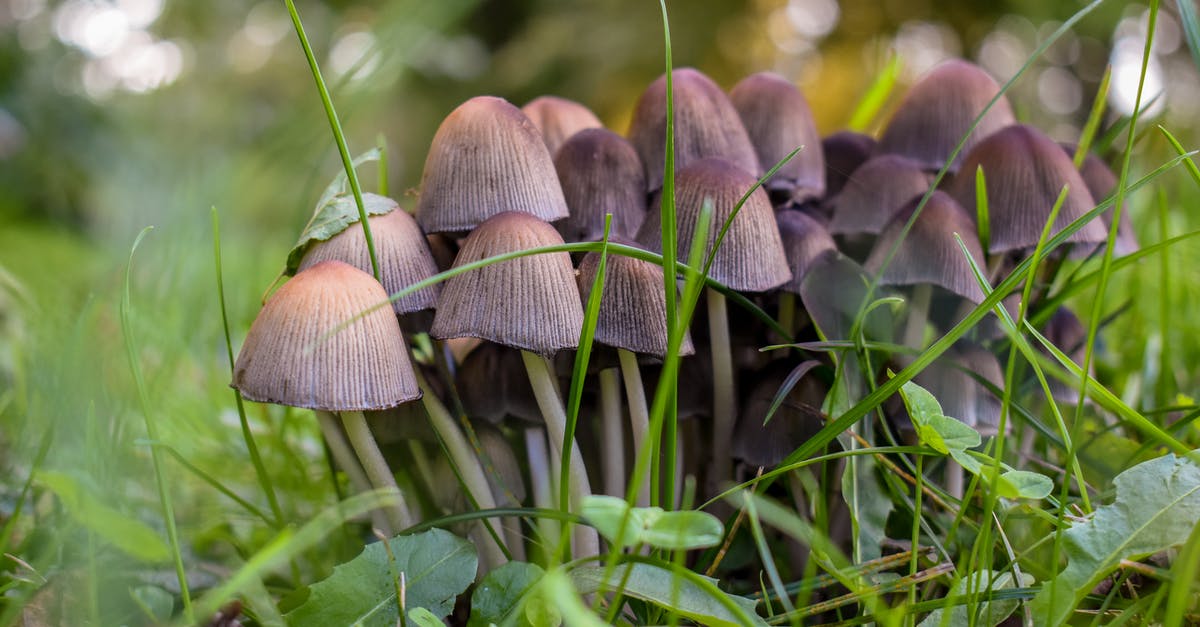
x: 847, y: 219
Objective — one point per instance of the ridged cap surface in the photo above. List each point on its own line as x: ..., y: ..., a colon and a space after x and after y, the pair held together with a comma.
x: 778, y: 120
x: 600, y: 173
x: 530, y: 302
x: 486, y: 158
x: 558, y: 119
x: 401, y: 249
x: 751, y: 257
x: 930, y: 253
x: 804, y: 239
x: 1025, y: 172
x: 633, y: 309
x: 288, y: 360
x: 875, y: 192
x: 706, y: 125
x: 939, y: 110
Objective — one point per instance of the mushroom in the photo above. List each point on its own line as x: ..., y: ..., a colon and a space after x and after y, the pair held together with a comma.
x: 750, y: 259
x: 632, y: 319
x: 295, y: 354
x: 600, y: 174
x: 844, y: 151
x: 706, y: 125
x: 938, y: 111
x: 872, y: 195
x: 530, y: 303
x: 778, y: 121
x: 804, y: 240
x: 559, y: 119
x: 486, y: 158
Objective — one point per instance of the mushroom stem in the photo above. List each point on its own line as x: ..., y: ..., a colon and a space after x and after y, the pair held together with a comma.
x: 639, y: 413
x: 918, y: 315
x: 586, y: 541
x: 348, y: 462
x: 539, y: 475
x: 469, y: 469
x: 376, y: 468
x: 614, y: 436
x: 954, y: 479
x: 723, y: 391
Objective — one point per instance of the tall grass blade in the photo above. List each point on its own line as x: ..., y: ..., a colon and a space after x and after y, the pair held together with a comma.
x: 1095, y: 116
x: 877, y: 95
x: 1191, y: 27
x: 164, y: 493
x: 674, y: 330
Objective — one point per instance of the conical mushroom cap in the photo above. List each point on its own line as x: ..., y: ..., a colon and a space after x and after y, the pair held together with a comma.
x: 558, y: 119
x: 600, y: 173
x: 633, y: 307
x: 751, y: 257
x: 1025, y: 172
x: 804, y: 239
x: 778, y: 120
x: 486, y: 158
x: 797, y: 419
x: 531, y: 302
x: 706, y: 125
x: 844, y: 151
x: 492, y: 383
x: 295, y: 353
x: 939, y: 110
x: 875, y: 192
x: 961, y: 395
x: 401, y: 248
x: 930, y: 253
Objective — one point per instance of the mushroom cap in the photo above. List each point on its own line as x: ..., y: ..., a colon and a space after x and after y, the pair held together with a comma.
x: 844, y: 151
x: 961, y: 395
x: 797, y: 419
x: 706, y: 125
x: 600, y: 173
x: 930, y: 253
x: 486, y: 158
x: 939, y: 110
x: 401, y: 248
x: 296, y: 355
x: 875, y: 192
x: 531, y: 302
x: 1066, y: 331
x: 804, y: 239
x: 559, y: 119
x: 1025, y: 172
x: 492, y: 383
x: 778, y: 120
x: 751, y: 258
x: 633, y: 308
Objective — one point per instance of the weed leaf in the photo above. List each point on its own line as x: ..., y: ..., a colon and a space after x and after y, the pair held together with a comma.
x: 437, y: 565
x: 1156, y: 505
x: 652, y: 525
x: 661, y: 587
x: 937, y: 431
x: 331, y: 217
x: 989, y: 612
x: 501, y: 592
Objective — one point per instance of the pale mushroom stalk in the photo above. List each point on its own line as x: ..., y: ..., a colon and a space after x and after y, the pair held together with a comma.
x: 639, y: 412
x: 585, y: 542
x: 918, y: 316
x: 613, y: 434
x: 469, y: 469
x: 376, y: 467
x: 349, y: 464
x: 724, y: 399
x: 539, y: 474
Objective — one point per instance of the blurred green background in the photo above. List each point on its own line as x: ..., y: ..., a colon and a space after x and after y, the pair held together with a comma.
x: 118, y: 114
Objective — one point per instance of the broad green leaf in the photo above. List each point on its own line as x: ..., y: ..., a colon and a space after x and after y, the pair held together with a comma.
x: 332, y: 216
x: 920, y: 403
x: 129, y: 534
x: 156, y: 604
x: 1022, y: 484
x: 701, y: 602
x: 340, y: 182
x: 1156, y: 505
x: 948, y: 434
x: 989, y: 612
x: 651, y: 525
x: 437, y: 566
x: 422, y: 617
x: 968, y: 460
x: 501, y: 592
